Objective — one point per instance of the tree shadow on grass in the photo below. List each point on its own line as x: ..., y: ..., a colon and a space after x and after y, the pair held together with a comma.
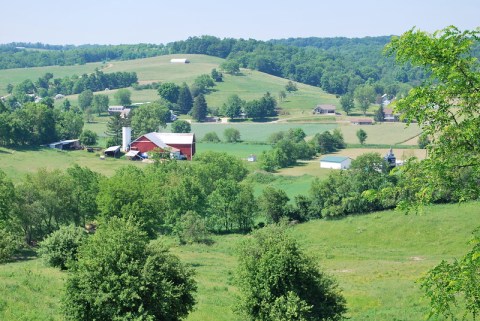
x: 264, y: 120
x: 25, y: 254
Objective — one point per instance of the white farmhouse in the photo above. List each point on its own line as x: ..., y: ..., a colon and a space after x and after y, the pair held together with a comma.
x: 335, y: 162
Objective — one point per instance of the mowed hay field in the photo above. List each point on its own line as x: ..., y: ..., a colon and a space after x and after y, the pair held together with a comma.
x: 376, y: 258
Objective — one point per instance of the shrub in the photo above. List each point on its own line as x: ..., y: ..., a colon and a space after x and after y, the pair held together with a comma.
x: 9, y: 244
x: 191, y: 229
x: 277, y: 281
x: 211, y: 137
x: 88, y: 138
x: 60, y: 247
x: 232, y: 135
x: 120, y: 276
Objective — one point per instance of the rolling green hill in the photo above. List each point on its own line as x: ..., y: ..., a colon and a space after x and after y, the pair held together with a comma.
x: 376, y: 259
x: 249, y: 85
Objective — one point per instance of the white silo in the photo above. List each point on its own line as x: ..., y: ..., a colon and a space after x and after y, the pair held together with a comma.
x: 126, y: 138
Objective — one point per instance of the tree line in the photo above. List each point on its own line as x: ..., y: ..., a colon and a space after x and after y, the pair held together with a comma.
x: 47, y: 86
x: 36, y: 123
x: 24, y: 55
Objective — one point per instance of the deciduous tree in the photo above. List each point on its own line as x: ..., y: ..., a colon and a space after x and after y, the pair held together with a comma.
x: 119, y: 276
x: 346, y: 101
x: 181, y: 126
x: 277, y: 281
x: 447, y: 107
x: 362, y: 136
x: 122, y: 97
x: 149, y: 117
x: 365, y: 95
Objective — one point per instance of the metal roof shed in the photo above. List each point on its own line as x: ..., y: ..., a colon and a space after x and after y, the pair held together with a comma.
x: 335, y: 162
x: 112, y: 151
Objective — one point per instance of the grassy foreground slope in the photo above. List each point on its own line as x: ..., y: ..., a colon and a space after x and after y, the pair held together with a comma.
x: 376, y: 258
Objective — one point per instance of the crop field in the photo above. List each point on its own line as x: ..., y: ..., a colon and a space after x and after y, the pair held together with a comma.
x: 376, y: 258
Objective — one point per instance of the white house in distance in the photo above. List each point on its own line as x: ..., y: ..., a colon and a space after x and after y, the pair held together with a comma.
x: 179, y: 61
x: 335, y: 162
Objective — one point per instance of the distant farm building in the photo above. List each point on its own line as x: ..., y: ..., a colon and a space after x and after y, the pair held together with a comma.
x: 361, y: 121
x: 389, y: 115
x: 335, y: 162
x: 122, y: 110
x: 179, y: 61
x: 66, y: 144
x: 113, y: 151
x: 325, y: 110
x: 180, y: 145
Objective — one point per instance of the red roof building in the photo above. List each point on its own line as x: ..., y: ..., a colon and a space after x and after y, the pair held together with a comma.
x: 182, y: 143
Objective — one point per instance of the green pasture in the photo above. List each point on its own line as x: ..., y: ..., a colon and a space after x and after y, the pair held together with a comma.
x: 257, y: 132
x: 376, y: 258
x: 383, y: 133
x: 239, y: 150
x: 17, y: 163
x: 249, y: 84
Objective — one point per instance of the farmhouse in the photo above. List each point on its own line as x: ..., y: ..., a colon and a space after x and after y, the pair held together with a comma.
x: 179, y: 61
x: 361, y: 121
x: 122, y: 110
x: 325, y: 109
x: 180, y: 145
x: 335, y: 162
x: 389, y: 115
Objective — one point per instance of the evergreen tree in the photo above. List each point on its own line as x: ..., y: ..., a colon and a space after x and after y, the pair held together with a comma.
x: 379, y: 114
x: 185, y: 100
x: 114, y: 129
x: 199, y: 110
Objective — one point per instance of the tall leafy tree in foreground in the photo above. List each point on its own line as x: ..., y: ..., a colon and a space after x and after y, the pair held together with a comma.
x: 447, y: 107
x: 120, y: 276
x: 277, y: 281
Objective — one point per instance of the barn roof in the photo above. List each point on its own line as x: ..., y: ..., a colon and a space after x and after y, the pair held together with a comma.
x: 326, y: 107
x: 176, y: 138
x: 163, y: 140
x: 334, y: 159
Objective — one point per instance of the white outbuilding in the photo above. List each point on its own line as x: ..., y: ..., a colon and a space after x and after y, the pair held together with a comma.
x: 179, y: 61
x: 335, y: 162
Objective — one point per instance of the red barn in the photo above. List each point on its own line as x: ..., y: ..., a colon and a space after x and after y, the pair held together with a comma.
x: 184, y: 143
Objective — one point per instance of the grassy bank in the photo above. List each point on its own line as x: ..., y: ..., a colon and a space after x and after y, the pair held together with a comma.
x: 376, y: 259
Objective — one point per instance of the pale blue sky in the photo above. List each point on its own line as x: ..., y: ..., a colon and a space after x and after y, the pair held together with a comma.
x: 159, y: 21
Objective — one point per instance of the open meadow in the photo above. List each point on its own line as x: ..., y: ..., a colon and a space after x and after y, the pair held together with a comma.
x: 376, y: 258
